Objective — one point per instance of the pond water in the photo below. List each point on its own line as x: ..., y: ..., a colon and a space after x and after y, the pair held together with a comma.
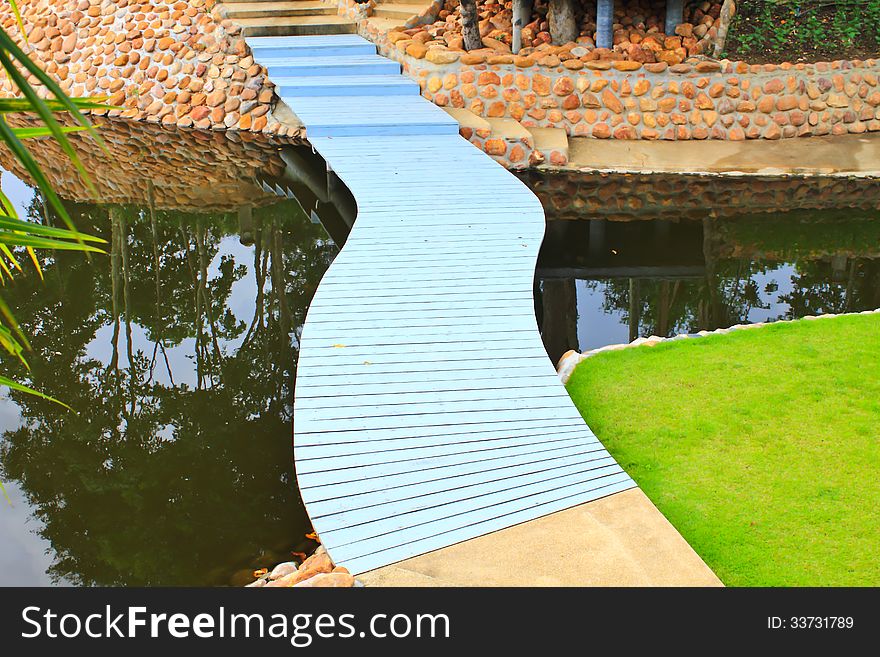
x: 608, y: 282
x: 178, y: 353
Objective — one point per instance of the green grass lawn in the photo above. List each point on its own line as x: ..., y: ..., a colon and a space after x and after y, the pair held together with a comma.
x: 762, y: 447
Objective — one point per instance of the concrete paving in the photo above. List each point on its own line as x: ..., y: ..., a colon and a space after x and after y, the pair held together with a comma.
x: 619, y: 540
x: 847, y: 154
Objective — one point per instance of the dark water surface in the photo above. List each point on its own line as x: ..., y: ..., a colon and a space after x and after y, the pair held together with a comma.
x: 178, y: 352
x: 607, y: 282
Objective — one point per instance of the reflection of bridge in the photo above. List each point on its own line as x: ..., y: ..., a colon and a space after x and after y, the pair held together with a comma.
x: 426, y: 411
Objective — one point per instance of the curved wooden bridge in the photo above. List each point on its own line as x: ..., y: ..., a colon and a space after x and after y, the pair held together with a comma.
x: 426, y: 409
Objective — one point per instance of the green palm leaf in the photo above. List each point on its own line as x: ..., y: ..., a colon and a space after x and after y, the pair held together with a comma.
x: 13, y: 230
x: 43, y: 131
x: 17, y: 105
x: 39, y: 106
x: 23, y: 388
x: 7, y: 44
x: 12, y: 223
x: 18, y: 20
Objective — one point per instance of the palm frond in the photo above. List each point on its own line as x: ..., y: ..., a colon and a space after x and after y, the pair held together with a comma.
x: 14, y: 5
x: 43, y: 131
x: 15, y: 232
x: 39, y: 106
x: 21, y: 105
x: 4, y: 381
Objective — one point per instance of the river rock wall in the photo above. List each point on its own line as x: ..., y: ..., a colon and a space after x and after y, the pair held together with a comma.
x: 599, y: 95
x: 628, y: 100
x: 162, y: 61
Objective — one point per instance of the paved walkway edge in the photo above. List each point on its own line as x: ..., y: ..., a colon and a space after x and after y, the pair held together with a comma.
x: 619, y: 540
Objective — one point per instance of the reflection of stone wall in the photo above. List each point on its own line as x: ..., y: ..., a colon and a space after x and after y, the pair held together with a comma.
x: 626, y: 197
x: 164, y: 61
x: 190, y: 170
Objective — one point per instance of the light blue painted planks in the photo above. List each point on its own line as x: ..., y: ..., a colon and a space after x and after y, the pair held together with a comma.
x: 344, y: 85
x: 426, y: 411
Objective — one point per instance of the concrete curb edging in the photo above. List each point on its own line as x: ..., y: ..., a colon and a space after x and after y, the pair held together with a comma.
x: 571, y: 359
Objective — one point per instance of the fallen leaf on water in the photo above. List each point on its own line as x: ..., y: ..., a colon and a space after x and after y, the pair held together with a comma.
x: 339, y: 346
x: 260, y: 572
x: 368, y: 362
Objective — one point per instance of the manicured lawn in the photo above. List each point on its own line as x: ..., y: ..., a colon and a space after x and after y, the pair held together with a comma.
x: 762, y: 447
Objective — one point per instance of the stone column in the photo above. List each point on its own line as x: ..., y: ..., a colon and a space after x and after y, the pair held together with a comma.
x: 674, y: 15
x: 522, y: 12
x: 604, y: 23
x: 561, y: 17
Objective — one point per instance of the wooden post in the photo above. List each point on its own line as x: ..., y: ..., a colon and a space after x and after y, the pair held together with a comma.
x: 674, y: 15
x: 522, y: 12
x: 604, y: 23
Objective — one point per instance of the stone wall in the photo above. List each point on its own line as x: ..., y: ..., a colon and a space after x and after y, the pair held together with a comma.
x: 702, y: 99
x: 162, y: 61
x: 190, y: 170
x: 576, y: 89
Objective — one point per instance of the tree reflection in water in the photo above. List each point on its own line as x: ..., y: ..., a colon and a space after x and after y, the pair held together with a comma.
x: 178, y: 354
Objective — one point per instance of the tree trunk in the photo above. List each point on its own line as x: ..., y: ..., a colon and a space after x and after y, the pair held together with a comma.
x: 728, y: 9
x: 563, y: 26
x: 522, y: 13
x: 604, y: 23
x: 674, y: 15
x: 470, y: 30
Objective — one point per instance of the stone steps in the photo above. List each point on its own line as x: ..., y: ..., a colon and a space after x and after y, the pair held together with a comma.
x: 236, y: 10
x: 296, y: 25
x: 552, y: 143
x: 385, y: 24
x: 403, y: 11
x: 511, y: 143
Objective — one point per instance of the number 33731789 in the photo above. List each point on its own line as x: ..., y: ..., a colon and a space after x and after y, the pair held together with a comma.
x: 810, y: 622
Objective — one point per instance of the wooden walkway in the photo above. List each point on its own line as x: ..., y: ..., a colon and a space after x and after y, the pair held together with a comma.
x: 426, y: 410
